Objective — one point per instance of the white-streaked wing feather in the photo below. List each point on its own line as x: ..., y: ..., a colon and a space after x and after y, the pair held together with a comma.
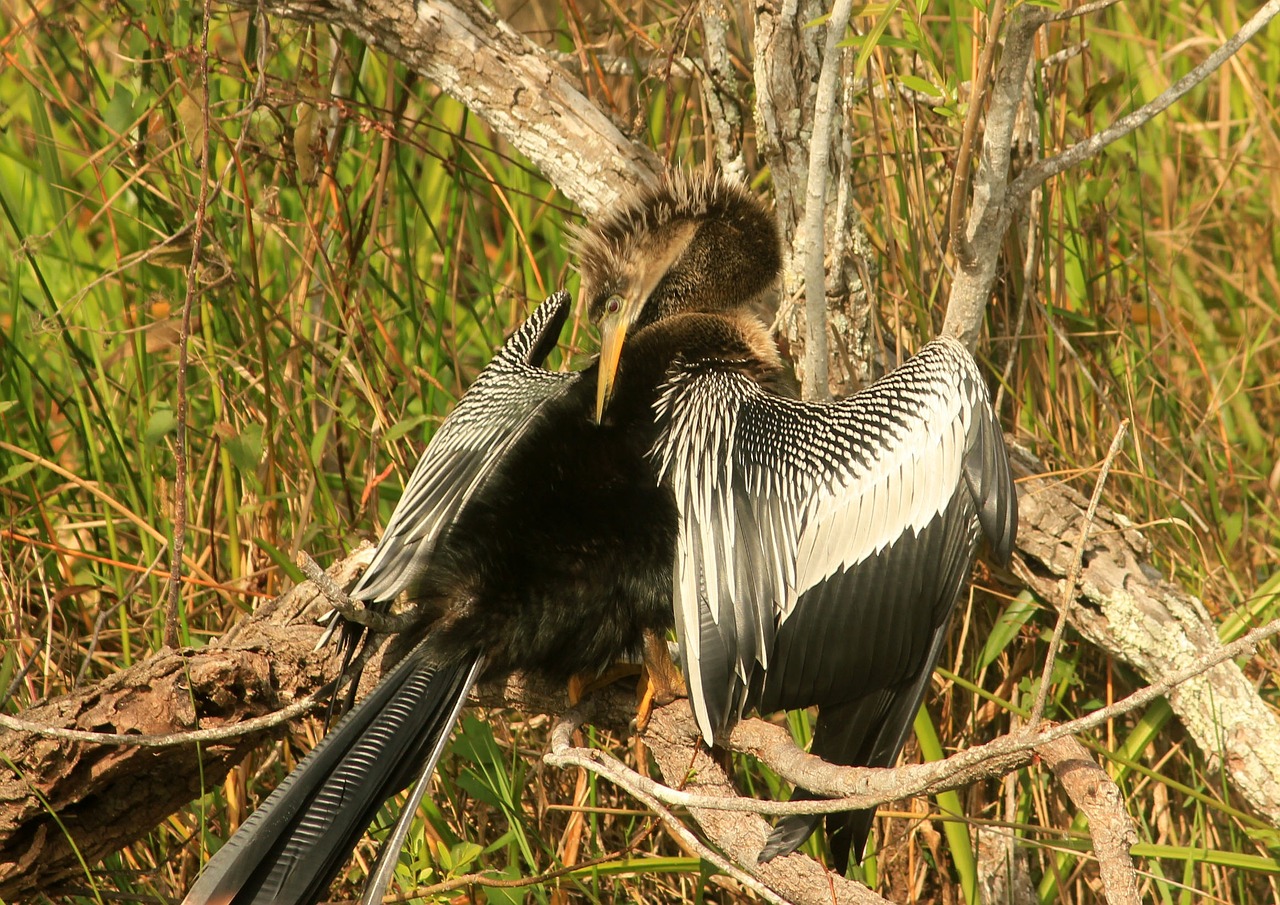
x: 491, y: 416
x: 809, y: 491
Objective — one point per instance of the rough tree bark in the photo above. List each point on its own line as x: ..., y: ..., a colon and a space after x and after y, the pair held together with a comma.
x: 788, y: 60
x: 65, y: 799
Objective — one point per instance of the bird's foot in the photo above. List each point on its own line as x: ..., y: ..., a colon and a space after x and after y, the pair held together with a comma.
x: 580, y: 684
x: 660, y: 680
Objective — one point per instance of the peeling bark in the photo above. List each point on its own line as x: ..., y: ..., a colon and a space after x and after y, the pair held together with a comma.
x: 1125, y: 607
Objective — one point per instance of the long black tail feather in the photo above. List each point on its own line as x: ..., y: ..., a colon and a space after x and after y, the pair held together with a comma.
x: 290, y: 848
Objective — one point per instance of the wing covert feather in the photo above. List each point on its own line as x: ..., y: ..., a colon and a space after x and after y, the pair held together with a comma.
x: 799, y: 494
x: 491, y: 416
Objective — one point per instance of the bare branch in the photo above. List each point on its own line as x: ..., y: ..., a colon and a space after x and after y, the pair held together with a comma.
x: 719, y: 90
x: 1073, y: 575
x: 350, y: 609
x: 1084, y: 9
x: 1127, y: 609
x: 862, y: 787
x: 990, y: 211
x: 960, y: 185
x: 200, y: 149
x: 1090, y: 147
x: 169, y: 740
x: 505, y: 79
x: 1094, y: 793
x: 816, y: 384
x: 690, y: 766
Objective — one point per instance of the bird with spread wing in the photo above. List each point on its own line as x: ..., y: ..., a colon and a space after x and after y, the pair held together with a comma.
x: 807, y: 554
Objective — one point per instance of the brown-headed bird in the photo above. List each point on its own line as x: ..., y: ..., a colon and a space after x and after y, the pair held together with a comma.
x: 808, y: 554
x: 820, y: 547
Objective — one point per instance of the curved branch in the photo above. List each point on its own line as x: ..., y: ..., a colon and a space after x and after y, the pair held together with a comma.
x: 505, y: 79
x: 1110, y: 826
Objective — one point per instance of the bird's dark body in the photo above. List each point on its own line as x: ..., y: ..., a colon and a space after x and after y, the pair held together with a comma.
x: 557, y: 562
x: 544, y: 571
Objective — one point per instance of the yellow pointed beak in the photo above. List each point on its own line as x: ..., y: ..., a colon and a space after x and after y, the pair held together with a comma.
x: 612, y: 334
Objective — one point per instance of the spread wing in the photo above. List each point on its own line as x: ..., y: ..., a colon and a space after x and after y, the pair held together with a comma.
x: 789, y: 512
x: 490, y: 418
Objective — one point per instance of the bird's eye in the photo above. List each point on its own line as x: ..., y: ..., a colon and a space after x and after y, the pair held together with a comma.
x: 613, y: 304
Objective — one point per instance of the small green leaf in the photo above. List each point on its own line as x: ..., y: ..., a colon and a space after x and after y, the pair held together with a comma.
x: 1007, y: 627
x: 462, y: 855
x: 16, y: 471
x: 402, y: 427
x: 161, y: 423
x: 245, y: 449
x: 316, y: 447
x: 924, y: 86
x: 119, y: 114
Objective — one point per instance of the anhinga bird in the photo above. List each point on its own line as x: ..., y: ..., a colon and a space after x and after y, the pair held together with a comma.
x: 821, y: 547
x: 810, y: 554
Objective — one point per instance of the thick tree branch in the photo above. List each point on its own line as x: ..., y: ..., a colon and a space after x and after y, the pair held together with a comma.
x: 504, y: 78
x: 1125, y: 607
x: 816, y: 382
x: 991, y: 209
x: 79, y: 770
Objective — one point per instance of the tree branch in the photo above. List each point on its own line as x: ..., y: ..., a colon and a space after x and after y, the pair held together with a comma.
x: 1073, y: 575
x: 1089, y: 148
x: 816, y: 382
x: 1124, y: 607
x: 991, y: 209
x: 505, y: 79
x: 1110, y: 826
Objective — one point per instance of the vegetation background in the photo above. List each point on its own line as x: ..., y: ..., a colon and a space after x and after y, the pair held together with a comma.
x: 369, y: 242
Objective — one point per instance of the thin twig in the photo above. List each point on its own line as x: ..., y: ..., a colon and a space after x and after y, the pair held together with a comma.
x: 816, y: 385
x: 1084, y: 9
x: 1073, y: 573
x: 171, y: 617
x: 25, y: 668
x: 1090, y: 147
x: 490, y: 881
x: 351, y: 609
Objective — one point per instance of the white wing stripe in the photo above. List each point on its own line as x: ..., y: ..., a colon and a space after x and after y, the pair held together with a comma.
x: 835, y: 484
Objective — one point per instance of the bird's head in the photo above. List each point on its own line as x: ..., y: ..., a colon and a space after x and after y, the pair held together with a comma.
x: 690, y: 243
